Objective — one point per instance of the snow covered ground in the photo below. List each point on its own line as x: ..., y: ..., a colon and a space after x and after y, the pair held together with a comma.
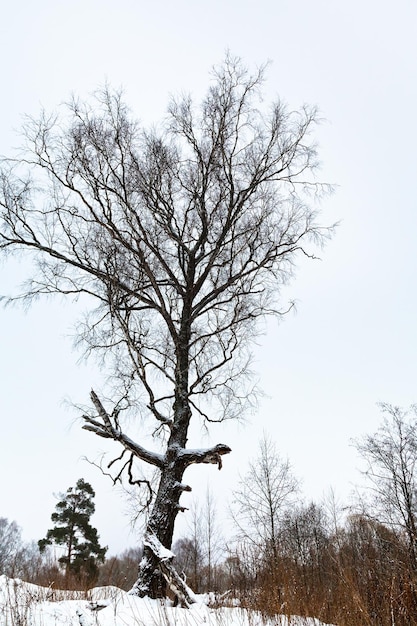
x: 24, y: 604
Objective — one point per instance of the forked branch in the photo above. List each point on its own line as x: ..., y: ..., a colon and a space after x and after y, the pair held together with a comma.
x: 108, y: 430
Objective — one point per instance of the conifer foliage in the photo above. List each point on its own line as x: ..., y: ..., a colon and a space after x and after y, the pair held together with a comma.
x: 73, y: 531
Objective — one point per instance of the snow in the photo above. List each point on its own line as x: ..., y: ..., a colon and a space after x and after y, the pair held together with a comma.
x: 157, y: 548
x: 24, y: 603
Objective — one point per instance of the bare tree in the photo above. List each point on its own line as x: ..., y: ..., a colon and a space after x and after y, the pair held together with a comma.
x: 190, y: 561
x: 265, y: 491
x: 391, y: 459
x: 213, y: 540
x: 190, y: 550
x: 120, y: 570
x: 183, y: 237
x: 304, y: 540
x: 10, y: 545
x: 197, y: 553
x: 17, y: 558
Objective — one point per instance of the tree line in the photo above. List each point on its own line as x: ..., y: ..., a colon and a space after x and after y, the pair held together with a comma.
x: 347, y: 564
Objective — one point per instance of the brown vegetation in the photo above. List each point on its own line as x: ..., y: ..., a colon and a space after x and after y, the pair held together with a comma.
x: 353, y: 574
x: 357, y: 574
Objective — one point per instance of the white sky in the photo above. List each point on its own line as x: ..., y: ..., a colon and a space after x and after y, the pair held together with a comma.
x: 352, y: 342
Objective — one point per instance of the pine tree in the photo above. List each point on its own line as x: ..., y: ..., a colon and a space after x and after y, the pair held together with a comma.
x: 73, y: 531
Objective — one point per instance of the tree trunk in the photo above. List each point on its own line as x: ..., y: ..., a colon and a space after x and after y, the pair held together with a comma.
x: 152, y: 581
x: 155, y: 569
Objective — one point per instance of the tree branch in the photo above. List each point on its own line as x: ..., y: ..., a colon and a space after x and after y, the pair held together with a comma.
x: 108, y: 431
x: 210, y: 455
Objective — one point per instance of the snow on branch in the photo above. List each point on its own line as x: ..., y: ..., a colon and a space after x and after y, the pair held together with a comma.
x: 210, y: 455
x: 108, y: 430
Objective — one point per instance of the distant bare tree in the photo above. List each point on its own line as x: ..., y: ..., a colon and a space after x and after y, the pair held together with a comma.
x: 265, y: 491
x: 183, y: 237
x: 17, y: 558
x: 198, y: 552
x: 10, y: 545
x: 304, y: 540
x: 119, y: 570
x: 189, y: 561
x: 213, y: 539
x: 391, y: 470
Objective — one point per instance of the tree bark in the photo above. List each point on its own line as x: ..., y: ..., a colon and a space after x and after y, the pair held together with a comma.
x: 151, y: 581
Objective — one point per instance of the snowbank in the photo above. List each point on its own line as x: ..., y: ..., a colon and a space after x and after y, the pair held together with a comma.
x: 23, y: 604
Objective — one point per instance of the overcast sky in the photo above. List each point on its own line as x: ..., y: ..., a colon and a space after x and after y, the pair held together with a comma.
x: 353, y: 340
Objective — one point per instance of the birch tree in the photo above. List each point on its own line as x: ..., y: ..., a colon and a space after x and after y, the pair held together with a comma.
x: 265, y: 492
x: 181, y: 239
x: 390, y: 455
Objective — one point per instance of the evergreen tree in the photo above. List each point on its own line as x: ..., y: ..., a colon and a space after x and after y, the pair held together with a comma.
x: 73, y: 531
